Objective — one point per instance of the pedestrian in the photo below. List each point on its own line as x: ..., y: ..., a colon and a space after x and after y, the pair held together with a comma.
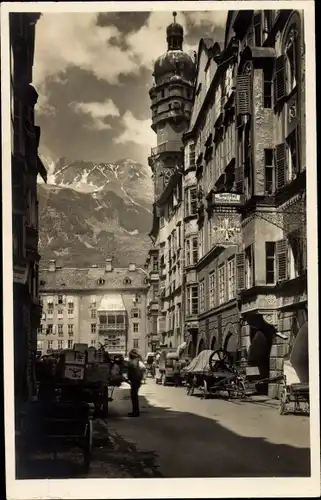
x: 135, y: 376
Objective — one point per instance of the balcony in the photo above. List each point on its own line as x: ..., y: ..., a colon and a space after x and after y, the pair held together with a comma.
x: 161, y: 325
x: 154, y: 275
x: 168, y: 146
x: 153, y: 305
x: 111, y: 327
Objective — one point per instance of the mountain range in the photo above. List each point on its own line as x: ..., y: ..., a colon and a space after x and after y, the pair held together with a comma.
x: 90, y: 211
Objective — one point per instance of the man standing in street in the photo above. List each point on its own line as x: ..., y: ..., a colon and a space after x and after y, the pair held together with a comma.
x: 135, y: 376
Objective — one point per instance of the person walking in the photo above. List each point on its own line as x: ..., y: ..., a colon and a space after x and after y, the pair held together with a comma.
x: 135, y: 376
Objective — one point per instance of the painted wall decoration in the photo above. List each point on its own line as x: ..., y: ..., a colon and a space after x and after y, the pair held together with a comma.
x: 226, y: 229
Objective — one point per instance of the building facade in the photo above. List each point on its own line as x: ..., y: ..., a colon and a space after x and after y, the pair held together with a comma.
x: 98, y: 305
x: 247, y: 136
x: 171, y: 103
x: 26, y: 165
x: 243, y: 216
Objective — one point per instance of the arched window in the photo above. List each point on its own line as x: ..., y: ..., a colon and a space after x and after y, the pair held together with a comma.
x: 291, y: 52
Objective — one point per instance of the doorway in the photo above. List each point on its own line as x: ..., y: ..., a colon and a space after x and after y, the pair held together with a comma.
x: 201, y: 346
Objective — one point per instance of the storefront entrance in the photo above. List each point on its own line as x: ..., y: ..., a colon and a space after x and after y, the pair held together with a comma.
x: 261, y: 335
x: 230, y: 345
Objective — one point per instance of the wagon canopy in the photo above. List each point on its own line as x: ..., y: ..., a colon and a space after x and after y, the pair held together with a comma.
x: 200, y: 363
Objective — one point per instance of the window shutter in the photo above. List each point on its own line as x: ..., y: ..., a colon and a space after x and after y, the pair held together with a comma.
x: 240, y: 271
x: 280, y: 157
x: 243, y: 100
x: 281, y: 260
x: 239, y: 178
x: 279, y: 82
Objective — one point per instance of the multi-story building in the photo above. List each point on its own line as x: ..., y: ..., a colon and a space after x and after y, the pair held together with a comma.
x: 97, y: 305
x: 243, y: 216
x: 212, y: 223
x: 270, y: 159
x: 171, y: 103
x: 247, y: 136
x: 26, y: 165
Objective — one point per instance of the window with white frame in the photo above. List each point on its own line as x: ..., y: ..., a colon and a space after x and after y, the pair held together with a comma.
x: 202, y: 296
x: 70, y: 344
x: 93, y: 313
x: 60, y: 344
x: 136, y: 343
x: 192, y: 300
x: 249, y: 266
x: 60, y: 330
x: 190, y: 201
x: 221, y: 284
x: 70, y: 330
x: 231, y: 288
x: 135, y: 327
x: 191, y: 246
x: 50, y: 344
x: 93, y: 327
x: 212, y: 289
x: 201, y: 248
x: 49, y: 329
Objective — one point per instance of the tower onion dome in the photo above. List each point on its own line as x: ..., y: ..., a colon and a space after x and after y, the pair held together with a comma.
x: 174, y: 61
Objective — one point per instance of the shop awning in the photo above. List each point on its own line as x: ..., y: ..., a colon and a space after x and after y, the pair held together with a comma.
x: 112, y: 303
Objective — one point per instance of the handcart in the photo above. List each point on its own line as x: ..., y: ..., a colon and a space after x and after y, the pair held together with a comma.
x: 295, y: 398
x: 54, y: 425
x: 211, y: 372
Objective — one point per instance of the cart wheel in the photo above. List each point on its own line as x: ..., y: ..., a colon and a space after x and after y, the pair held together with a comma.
x: 217, y: 358
x: 88, y: 446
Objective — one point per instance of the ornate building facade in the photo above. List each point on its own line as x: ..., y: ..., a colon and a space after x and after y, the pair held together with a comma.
x: 244, y: 187
x: 26, y: 165
x: 171, y: 102
x: 248, y: 133
x: 98, y: 305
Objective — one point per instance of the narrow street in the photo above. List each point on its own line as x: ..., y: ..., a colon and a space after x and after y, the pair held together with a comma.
x: 185, y: 436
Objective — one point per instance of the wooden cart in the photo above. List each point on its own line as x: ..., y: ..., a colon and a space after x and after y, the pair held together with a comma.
x: 54, y: 426
x: 295, y: 398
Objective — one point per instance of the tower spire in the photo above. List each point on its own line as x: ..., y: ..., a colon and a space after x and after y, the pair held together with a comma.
x: 175, y: 35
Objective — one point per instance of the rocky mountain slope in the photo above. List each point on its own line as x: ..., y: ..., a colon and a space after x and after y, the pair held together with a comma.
x: 89, y: 211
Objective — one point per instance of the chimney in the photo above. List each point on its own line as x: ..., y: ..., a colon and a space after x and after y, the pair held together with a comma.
x: 109, y: 265
x: 52, y: 265
x: 132, y: 267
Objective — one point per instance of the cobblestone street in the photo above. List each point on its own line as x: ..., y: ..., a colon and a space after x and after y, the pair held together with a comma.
x: 184, y: 436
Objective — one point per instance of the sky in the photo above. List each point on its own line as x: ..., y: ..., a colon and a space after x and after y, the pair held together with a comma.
x: 93, y: 72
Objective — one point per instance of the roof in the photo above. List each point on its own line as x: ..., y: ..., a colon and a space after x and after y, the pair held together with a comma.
x: 87, y: 279
x: 112, y: 302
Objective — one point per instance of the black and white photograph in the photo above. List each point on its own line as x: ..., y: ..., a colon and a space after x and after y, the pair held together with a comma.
x: 159, y: 215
